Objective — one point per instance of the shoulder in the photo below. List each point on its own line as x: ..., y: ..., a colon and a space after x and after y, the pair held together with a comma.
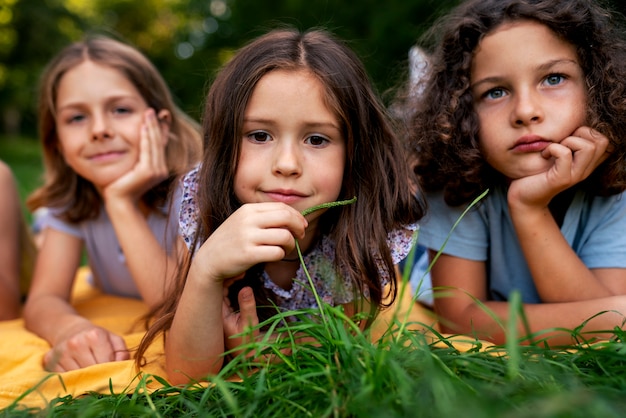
x: 7, y: 180
x: 190, y: 181
x: 400, y: 241
x: 188, y: 211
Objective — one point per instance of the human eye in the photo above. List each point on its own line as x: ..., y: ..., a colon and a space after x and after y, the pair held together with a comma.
x: 259, y: 137
x: 554, y: 79
x: 494, y: 93
x: 73, y: 118
x: 122, y: 110
x: 317, y: 140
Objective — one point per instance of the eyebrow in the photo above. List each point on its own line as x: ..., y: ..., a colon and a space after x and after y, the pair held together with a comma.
x: 542, y: 67
x: 307, y: 124
x: 78, y: 103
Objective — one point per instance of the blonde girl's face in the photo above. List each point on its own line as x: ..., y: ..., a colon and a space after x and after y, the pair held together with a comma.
x: 529, y: 91
x: 99, y: 114
x: 292, y: 148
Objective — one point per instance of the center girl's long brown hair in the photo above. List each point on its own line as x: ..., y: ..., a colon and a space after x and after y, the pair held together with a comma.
x: 376, y: 169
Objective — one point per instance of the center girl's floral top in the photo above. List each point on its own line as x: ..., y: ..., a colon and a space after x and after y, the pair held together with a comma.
x: 319, y: 261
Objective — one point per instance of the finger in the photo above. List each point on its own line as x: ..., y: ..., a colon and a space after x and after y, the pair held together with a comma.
x: 600, y: 142
x: 51, y: 361
x: 97, y: 344
x: 247, y: 307
x: 55, y: 361
x: 588, y: 153
x: 275, y: 215
x: 227, y: 310
x: 155, y: 140
x: 120, y: 352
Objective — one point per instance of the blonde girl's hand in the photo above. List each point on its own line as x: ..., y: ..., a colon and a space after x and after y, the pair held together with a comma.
x: 92, y: 345
x: 239, y: 322
x: 575, y: 158
x: 255, y: 233
x: 151, y: 166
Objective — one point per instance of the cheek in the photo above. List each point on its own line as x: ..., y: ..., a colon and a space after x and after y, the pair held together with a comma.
x: 241, y: 184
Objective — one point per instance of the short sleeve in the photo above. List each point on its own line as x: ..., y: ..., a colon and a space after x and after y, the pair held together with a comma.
x: 401, y: 241
x: 189, y: 213
x: 51, y: 218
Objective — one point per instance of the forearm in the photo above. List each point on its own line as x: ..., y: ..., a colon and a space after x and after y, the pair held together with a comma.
x: 558, y: 273
x: 52, y: 318
x: 195, y: 343
x: 147, y: 260
x: 9, y: 297
x: 553, y: 322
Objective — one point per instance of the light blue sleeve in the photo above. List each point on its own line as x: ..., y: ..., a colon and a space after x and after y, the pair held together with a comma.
x: 601, y: 243
x: 470, y: 237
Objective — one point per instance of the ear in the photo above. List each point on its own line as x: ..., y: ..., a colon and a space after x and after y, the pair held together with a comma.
x: 165, y: 121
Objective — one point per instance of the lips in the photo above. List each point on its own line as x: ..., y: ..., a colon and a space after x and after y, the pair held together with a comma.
x: 285, y: 196
x: 530, y: 143
x: 105, y: 156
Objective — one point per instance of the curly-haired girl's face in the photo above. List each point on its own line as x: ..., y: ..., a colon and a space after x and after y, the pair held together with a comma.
x: 529, y: 91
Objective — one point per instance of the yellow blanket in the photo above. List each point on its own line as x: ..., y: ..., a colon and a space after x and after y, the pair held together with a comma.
x: 23, y: 379
x: 21, y: 352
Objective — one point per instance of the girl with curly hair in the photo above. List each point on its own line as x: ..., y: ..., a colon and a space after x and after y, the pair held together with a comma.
x: 526, y: 98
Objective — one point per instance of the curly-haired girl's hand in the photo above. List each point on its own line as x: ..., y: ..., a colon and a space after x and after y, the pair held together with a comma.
x: 574, y: 159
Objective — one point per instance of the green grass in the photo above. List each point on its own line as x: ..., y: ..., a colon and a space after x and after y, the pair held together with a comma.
x: 405, y: 374
x: 346, y: 375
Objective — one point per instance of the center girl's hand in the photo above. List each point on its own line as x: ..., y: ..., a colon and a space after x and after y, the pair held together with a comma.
x: 91, y: 345
x: 151, y: 167
x: 238, y: 322
x: 255, y: 233
x: 575, y: 158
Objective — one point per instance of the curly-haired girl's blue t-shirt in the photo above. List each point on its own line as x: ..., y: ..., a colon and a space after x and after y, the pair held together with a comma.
x: 593, y: 226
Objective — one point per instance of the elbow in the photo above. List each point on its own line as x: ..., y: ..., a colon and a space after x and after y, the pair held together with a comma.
x: 192, y: 373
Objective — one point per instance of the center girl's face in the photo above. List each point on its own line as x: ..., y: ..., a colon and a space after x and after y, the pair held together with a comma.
x: 529, y: 91
x: 99, y: 114
x: 292, y: 148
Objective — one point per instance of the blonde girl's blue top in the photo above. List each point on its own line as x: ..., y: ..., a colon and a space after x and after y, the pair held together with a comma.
x: 593, y: 226
x: 330, y: 286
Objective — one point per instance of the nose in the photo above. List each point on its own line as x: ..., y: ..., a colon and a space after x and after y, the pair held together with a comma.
x: 100, y: 128
x: 287, y: 159
x: 528, y: 109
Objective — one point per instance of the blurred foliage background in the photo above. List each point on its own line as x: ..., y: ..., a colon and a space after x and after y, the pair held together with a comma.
x: 189, y: 39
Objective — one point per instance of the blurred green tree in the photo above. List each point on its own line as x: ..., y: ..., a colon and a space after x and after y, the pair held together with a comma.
x: 189, y: 40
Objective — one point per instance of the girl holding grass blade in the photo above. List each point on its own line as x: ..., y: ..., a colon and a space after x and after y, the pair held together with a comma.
x: 291, y: 122
x: 113, y: 144
x: 526, y: 98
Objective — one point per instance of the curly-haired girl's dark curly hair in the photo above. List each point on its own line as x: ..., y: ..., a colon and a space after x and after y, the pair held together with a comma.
x: 444, y: 128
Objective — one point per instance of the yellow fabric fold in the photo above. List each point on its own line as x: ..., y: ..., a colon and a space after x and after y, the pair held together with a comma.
x: 21, y: 353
